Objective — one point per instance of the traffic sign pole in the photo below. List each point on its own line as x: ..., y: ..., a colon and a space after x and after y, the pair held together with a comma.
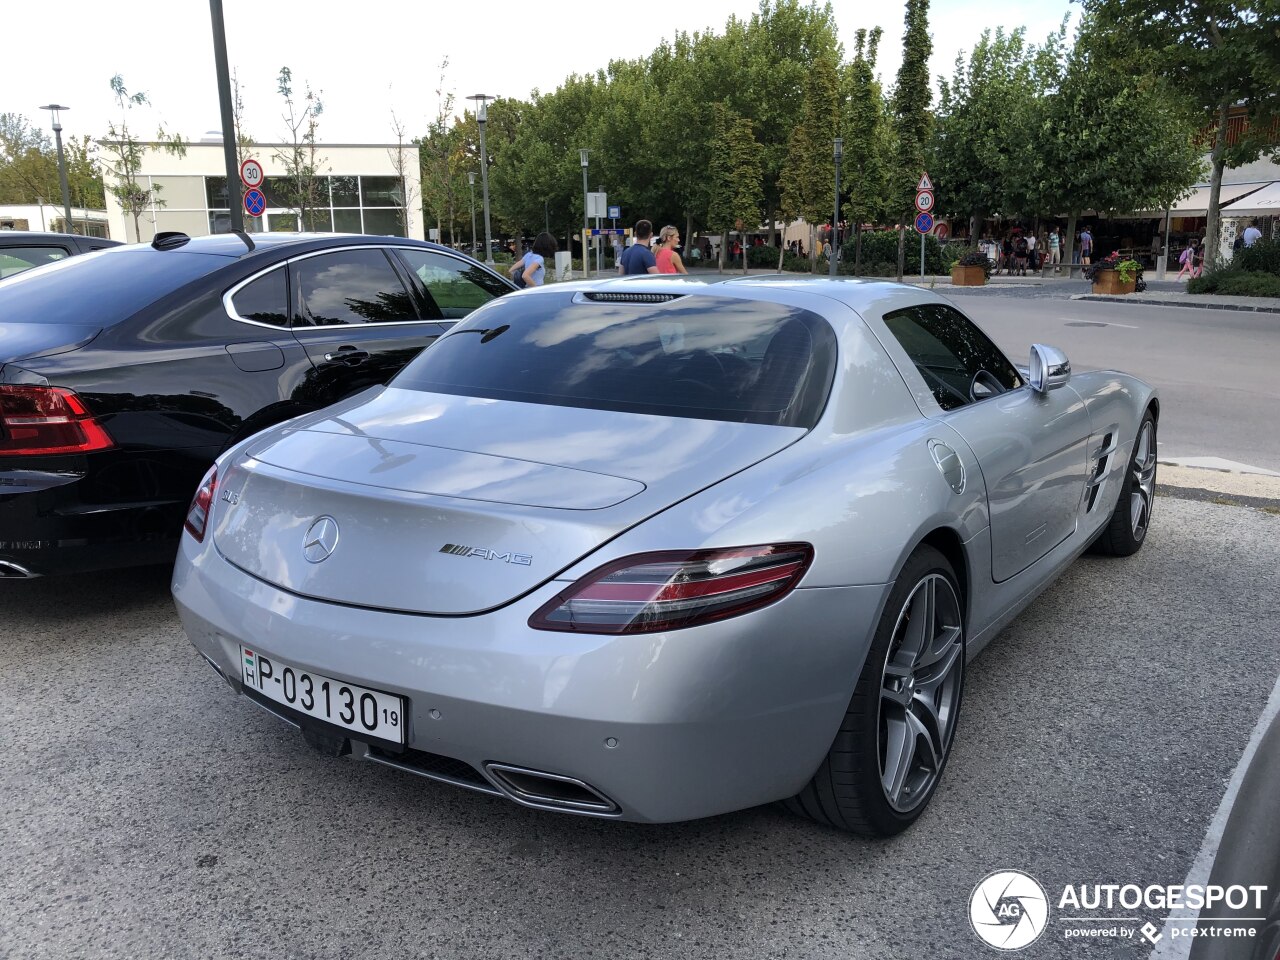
x: 228, y: 120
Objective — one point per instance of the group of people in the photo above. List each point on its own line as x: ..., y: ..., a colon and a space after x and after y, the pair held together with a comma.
x: 1019, y: 251
x: 649, y: 256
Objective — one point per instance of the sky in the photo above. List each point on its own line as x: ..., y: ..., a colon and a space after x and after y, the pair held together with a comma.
x: 376, y: 56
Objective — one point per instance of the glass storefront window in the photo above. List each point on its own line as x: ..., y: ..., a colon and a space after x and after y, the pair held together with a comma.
x: 282, y: 222
x: 319, y: 221
x: 387, y: 222
x: 346, y: 191
x: 381, y: 191
x: 347, y: 221
x: 215, y: 192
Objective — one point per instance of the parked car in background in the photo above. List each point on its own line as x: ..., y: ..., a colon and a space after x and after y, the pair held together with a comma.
x: 660, y: 549
x: 23, y: 249
x: 125, y: 372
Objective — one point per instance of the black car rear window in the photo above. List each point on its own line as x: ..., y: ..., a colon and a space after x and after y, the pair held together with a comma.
x: 703, y: 357
x: 100, y: 288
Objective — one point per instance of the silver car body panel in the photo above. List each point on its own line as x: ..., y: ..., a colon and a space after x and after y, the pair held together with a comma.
x: 705, y: 719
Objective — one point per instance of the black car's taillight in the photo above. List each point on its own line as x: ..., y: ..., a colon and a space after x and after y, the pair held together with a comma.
x: 202, y: 505
x: 43, y: 421
x: 648, y: 592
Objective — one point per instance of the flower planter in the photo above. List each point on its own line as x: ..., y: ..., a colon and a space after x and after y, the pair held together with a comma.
x: 968, y: 276
x: 1108, y: 281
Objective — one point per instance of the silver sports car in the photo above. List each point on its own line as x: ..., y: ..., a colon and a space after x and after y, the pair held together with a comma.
x: 660, y: 549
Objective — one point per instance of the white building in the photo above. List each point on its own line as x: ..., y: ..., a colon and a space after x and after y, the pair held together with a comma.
x: 49, y: 218
x: 360, y: 186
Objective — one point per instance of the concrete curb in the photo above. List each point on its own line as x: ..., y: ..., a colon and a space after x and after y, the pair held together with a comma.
x: 1153, y: 302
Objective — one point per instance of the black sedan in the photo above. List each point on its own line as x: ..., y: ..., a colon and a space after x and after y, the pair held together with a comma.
x: 124, y: 373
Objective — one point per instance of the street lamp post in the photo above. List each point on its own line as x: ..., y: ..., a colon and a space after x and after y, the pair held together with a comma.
x: 54, y: 108
x: 585, y: 226
x: 835, y: 220
x: 471, y: 182
x: 482, y: 115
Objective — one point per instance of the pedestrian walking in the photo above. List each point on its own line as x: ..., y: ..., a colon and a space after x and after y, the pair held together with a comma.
x: 1187, y: 261
x: 1055, y: 250
x: 531, y: 269
x: 667, y: 258
x: 1198, y: 269
x: 1006, y: 255
x: 1252, y: 234
x: 638, y: 258
x: 1021, y: 252
x: 1086, y: 246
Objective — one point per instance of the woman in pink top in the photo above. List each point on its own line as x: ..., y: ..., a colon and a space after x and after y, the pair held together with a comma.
x: 668, y: 260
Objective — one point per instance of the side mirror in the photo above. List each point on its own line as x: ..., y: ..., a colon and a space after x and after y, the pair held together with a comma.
x: 1049, y: 368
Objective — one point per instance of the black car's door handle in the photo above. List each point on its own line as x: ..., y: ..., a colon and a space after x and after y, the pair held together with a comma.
x: 348, y: 355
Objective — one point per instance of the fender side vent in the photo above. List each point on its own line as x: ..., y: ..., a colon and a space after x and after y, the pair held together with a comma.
x: 632, y: 297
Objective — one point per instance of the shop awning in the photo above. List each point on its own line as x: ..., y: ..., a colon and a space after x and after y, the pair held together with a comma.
x: 1197, y: 205
x: 1260, y: 203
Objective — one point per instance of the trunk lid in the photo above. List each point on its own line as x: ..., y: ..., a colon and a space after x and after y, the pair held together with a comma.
x: 454, y: 505
x: 23, y: 341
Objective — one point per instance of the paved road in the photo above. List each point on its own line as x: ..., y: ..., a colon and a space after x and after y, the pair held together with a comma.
x: 1218, y: 371
x: 147, y: 812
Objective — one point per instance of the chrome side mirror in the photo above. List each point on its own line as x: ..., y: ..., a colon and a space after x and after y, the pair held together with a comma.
x: 1049, y: 368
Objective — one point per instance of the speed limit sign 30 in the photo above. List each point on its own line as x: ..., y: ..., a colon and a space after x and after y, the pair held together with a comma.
x: 251, y: 173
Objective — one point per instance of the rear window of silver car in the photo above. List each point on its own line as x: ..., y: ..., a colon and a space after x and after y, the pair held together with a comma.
x: 707, y: 358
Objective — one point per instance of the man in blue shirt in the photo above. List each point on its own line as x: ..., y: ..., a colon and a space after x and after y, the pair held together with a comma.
x: 638, y: 258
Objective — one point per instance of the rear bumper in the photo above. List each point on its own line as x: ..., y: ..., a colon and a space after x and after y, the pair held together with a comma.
x: 77, y: 514
x: 669, y: 726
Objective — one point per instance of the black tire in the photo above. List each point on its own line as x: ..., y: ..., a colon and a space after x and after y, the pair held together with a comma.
x: 1121, y: 537
x: 847, y: 791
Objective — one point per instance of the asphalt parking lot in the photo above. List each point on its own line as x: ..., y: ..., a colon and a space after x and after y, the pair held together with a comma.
x: 145, y: 811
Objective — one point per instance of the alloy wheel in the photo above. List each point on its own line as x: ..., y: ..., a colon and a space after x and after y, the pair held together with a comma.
x: 920, y: 692
x: 1143, y: 480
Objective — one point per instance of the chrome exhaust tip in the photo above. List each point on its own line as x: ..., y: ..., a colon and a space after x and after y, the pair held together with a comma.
x: 15, y: 571
x: 550, y: 791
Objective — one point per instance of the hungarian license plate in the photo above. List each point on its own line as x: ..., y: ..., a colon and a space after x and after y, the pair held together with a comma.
x: 370, y: 713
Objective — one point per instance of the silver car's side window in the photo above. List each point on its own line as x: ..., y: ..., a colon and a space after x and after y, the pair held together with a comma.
x: 958, y: 362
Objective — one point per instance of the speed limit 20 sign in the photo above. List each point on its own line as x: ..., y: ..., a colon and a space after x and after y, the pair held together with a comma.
x: 251, y: 173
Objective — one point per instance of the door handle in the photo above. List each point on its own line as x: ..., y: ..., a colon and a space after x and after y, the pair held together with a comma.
x: 348, y: 355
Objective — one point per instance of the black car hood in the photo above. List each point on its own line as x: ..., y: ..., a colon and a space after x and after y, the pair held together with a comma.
x: 22, y: 341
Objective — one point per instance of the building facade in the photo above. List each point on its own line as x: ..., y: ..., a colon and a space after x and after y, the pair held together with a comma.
x: 359, y: 189
x: 50, y: 218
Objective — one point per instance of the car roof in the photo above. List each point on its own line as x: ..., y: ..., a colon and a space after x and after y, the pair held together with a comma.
x: 14, y: 237
x: 862, y: 294
x: 234, y: 245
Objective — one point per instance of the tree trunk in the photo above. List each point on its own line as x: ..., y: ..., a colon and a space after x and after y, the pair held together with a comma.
x: 1069, y: 242
x: 813, y: 249
x: 773, y: 227
x: 688, y: 236
x: 902, y: 250
x: 857, y: 249
x: 745, y: 252
x: 1213, y: 226
x: 782, y: 250
x: 724, y: 247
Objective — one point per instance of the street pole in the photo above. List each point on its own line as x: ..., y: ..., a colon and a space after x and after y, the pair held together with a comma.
x: 835, y: 220
x: 471, y: 182
x: 482, y: 116
x: 228, y: 118
x: 54, y: 108
x: 586, y: 225
x: 922, y: 256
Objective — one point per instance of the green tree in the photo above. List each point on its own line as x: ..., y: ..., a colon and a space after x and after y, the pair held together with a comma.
x: 979, y: 150
x: 737, y: 177
x: 1109, y: 137
x: 302, y: 187
x: 1215, y: 54
x: 807, y: 180
x: 911, y: 100
x: 865, y: 158
x: 124, y: 154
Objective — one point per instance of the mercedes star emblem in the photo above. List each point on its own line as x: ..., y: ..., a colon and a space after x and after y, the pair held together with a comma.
x: 321, y: 540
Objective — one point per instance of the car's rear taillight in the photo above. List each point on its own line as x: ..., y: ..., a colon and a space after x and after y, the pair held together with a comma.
x: 648, y: 592
x: 202, y: 505
x: 44, y: 421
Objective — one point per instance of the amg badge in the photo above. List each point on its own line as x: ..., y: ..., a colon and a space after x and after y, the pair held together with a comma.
x: 458, y: 550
